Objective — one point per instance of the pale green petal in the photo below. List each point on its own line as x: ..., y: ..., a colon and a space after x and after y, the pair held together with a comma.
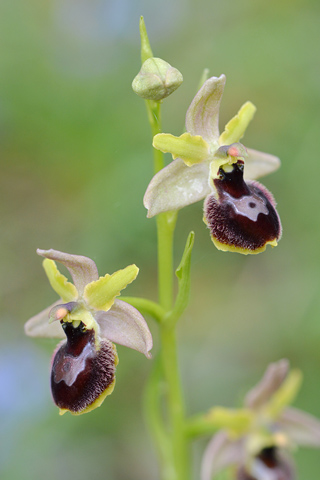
x: 235, y: 129
x: 190, y: 148
x: 285, y: 394
x: 221, y: 452
x: 102, y: 293
x: 259, y: 164
x: 39, y: 326
x: 82, y: 269
x: 66, y: 290
x: 177, y: 186
x: 300, y: 427
x: 123, y: 324
x: 203, y: 114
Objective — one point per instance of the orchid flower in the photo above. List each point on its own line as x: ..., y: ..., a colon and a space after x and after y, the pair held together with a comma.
x: 257, y: 439
x: 240, y: 213
x: 90, y: 316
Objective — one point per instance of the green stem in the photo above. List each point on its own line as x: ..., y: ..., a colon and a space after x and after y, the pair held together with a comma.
x: 152, y: 404
x: 178, y: 467
x: 175, y: 404
x: 200, y: 425
x: 154, y: 116
x: 166, y: 225
x: 146, y: 306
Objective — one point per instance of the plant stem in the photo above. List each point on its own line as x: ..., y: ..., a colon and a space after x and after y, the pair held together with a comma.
x: 178, y: 470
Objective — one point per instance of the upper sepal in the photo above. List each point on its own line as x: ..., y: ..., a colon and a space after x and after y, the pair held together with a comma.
x: 203, y: 114
x: 82, y: 269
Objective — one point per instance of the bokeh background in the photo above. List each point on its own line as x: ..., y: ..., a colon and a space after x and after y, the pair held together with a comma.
x: 75, y: 162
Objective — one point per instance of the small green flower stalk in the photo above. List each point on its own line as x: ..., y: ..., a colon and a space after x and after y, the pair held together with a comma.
x: 89, y: 318
x: 258, y: 439
x: 239, y: 213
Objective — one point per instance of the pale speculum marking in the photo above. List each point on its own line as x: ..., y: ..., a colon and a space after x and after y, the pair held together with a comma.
x: 249, y: 206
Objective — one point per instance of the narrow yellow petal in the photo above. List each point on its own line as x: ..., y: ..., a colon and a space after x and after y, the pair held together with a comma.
x: 236, y: 127
x: 191, y: 149
x: 102, y: 293
x: 285, y: 395
x: 66, y: 290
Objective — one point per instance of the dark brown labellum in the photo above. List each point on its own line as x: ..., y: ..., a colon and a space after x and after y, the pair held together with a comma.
x: 81, y: 373
x: 270, y: 464
x: 241, y: 216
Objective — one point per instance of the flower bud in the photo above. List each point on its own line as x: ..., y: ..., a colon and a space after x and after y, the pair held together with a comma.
x: 156, y: 80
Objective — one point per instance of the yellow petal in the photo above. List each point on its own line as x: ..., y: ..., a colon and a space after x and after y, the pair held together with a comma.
x: 66, y: 290
x: 235, y: 129
x: 191, y: 149
x: 102, y: 293
x: 285, y: 395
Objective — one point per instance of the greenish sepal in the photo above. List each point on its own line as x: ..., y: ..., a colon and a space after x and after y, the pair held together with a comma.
x: 236, y: 127
x: 183, y: 275
x: 101, y: 294
x: 191, y: 149
x: 285, y: 394
x: 146, y: 51
x: 66, y: 290
x: 156, y: 80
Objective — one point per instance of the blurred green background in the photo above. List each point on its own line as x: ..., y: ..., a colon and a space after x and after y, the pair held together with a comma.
x: 75, y: 162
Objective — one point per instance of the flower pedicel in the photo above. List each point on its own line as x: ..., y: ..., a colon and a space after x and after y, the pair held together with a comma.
x: 90, y: 316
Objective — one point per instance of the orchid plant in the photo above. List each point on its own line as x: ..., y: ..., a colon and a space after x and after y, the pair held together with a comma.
x: 89, y: 317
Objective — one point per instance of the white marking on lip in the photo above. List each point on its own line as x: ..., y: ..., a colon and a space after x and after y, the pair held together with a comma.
x: 249, y: 206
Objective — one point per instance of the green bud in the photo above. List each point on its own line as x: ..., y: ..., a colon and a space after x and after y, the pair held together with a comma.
x: 156, y: 80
